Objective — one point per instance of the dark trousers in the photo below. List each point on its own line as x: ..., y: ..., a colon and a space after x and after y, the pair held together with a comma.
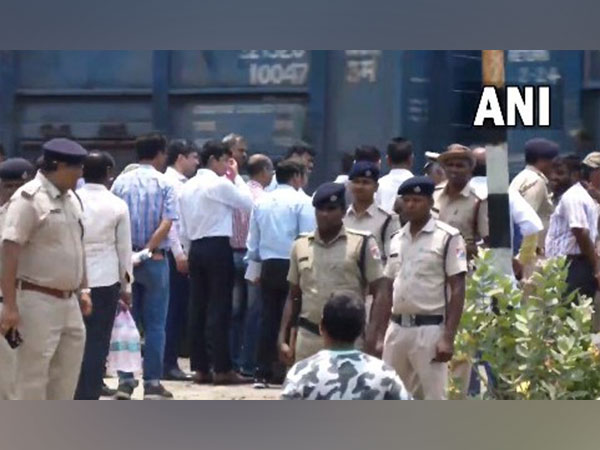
x: 581, y: 276
x: 177, y: 317
x: 274, y: 287
x: 239, y: 308
x: 98, y: 330
x: 211, y: 288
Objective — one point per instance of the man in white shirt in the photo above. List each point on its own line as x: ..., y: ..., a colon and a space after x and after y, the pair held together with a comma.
x: 400, y: 159
x: 206, y: 204
x: 573, y: 230
x: 107, y: 244
x: 182, y: 163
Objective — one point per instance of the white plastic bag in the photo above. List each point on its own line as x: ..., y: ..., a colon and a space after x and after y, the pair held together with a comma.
x: 125, y: 347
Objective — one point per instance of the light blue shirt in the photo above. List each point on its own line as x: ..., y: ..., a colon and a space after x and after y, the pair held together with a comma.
x: 277, y: 219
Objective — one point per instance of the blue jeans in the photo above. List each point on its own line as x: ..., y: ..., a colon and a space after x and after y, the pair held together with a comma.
x: 150, y: 306
x: 251, y: 329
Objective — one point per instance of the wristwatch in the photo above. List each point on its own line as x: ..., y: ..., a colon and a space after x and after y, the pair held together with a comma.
x: 87, y: 291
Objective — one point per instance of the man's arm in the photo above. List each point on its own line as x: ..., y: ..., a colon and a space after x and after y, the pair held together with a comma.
x: 380, y: 315
x: 237, y: 195
x: 159, y: 235
x: 124, y: 252
x: 582, y: 236
x: 9, y: 318
x: 291, y: 311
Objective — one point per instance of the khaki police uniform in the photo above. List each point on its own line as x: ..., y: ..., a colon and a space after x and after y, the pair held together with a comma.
x: 8, y: 356
x: 533, y: 185
x: 48, y: 226
x: 319, y: 269
x: 377, y: 221
x: 468, y: 212
x: 419, y: 272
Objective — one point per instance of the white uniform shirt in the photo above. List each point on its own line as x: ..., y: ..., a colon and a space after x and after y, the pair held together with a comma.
x: 388, y: 188
x: 106, y: 238
x: 576, y: 209
x: 206, y: 205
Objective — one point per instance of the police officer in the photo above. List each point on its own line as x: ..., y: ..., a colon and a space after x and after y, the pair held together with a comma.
x: 328, y: 259
x: 364, y: 214
x: 14, y: 173
x: 43, y: 270
x: 457, y: 203
x: 427, y: 264
x: 532, y: 182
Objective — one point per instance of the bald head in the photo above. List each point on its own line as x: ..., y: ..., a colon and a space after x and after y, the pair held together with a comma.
x: 260, y: 169
x: 480, y: 165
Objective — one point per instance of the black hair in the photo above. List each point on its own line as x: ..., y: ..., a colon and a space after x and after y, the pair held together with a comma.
x: 148, y: 146
x: 399, y: 150
x: 344, y: 316
x: 347, y: 162
x: 300, y: 149
x: 286, y: 170
x: 179, y: 147
x: 367, y: 153
x: 111, y: 161
x: 257, y: 164
x: 215, y: 149
x: 95, y: 167
x: 571, y: 161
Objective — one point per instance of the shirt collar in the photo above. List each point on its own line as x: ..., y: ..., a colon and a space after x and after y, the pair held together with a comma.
x: 48, y: 185
x: 370, y: 211
x: 94, y: 187
x: 466, y: 192
x: 428, y: 228
x: 171, y: 171
x: 340, y: 235
x: 206, y: 173
x: 400, y: 171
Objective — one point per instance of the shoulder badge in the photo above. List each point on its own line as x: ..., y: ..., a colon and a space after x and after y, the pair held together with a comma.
x: 447, y: 228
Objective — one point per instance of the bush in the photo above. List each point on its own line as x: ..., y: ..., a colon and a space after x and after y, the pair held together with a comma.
x: 539, y: 347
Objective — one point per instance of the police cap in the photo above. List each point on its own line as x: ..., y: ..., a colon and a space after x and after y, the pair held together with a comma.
x: 14, y: 169
x: 364, y: 169
x: 417, y: 185
x: 540, y: 148
x: 330, y: 194
x: 64, y: 150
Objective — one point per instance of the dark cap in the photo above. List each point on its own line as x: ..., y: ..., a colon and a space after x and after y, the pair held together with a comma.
x: 330, y: 194
x: 65, y: 150
x: 417, y: 185
x: 540, y: 148
x: 364, y: 169
x: 14, y: 169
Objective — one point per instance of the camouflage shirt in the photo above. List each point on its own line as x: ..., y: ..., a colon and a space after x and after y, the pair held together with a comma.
x: 343, y: 375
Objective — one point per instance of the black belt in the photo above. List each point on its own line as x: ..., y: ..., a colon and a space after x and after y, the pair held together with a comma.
x: 309, y: 326
x: 416, y: 320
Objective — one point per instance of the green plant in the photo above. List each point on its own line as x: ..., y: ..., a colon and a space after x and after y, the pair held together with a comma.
x: 538, y: 346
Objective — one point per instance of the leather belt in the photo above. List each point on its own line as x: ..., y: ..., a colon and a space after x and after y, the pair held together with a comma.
x: 308, y: 326
x: 27, y: 286
x: 416, y: 320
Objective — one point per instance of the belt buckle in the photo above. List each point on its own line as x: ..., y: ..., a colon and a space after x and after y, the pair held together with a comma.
x: 412, y: 320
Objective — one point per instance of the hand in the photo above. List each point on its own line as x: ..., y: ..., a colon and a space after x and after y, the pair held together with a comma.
x: 233, y: 166
x: 9, y: 319
x: 286, y: 354
x: 125, y: 298
x: 85, y: 303
x: 122, y: 306
x: 182, y: 265
x: 444, y: 349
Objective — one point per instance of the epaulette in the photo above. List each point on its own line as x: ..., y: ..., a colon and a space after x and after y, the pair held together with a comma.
x: 395, y: 233
x: 30, y: 189
x: 387, y: 213
x: 477, y: 194
x: 447, y: 228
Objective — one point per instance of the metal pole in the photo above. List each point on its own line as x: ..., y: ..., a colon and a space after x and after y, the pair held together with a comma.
x: 500, y: 238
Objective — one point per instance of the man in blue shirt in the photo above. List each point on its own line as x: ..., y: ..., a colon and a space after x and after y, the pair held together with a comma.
x: 151, y: 199
x: 277, y: 219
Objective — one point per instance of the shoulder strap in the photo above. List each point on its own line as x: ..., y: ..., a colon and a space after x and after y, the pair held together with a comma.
x: 383, y: 230
x: 476, y: 220
x: 361, y: 258
x: 445, y: 256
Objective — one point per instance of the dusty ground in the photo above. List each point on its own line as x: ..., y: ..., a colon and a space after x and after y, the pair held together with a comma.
x: 191, y: 391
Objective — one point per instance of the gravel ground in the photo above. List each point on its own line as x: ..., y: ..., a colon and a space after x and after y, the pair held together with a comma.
x: 191, y: 391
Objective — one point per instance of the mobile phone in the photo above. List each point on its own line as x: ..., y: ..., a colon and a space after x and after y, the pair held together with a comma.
x: 14, y: 339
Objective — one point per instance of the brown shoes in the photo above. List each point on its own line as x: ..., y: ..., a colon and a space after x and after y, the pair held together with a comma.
x: 203, y: 378
x: 229, y: 378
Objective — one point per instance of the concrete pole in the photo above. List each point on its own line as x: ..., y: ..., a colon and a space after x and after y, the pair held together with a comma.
x: 500, y: 239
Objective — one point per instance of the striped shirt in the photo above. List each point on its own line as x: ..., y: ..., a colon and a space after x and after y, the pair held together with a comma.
x: 576, y: 209
x: 151, y: 198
